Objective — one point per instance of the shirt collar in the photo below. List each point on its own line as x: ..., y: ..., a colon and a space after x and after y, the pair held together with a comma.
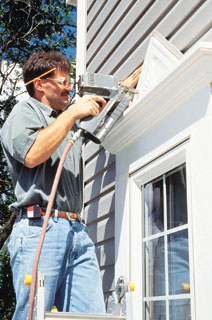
x: 47, y: 110
x: 55, y: 113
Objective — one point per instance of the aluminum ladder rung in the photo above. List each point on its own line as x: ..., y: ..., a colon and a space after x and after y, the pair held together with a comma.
x: 71, y: 316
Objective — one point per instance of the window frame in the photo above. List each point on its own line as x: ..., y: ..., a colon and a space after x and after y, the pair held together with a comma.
x: 153, y: 167
x: 164, y: 234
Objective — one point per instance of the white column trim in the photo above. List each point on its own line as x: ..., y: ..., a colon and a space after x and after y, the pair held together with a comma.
x: 81, y: 37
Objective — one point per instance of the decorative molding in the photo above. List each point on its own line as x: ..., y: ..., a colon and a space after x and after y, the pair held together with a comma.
x: 192, y: 74
x: 160, y: 59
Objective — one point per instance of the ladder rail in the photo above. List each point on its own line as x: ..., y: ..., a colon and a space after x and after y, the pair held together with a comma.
x: 116, y: 311
x: 67, y: 316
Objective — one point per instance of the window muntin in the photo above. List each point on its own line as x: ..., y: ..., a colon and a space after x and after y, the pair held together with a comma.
x: 153, y: 210
x: 166, y: 247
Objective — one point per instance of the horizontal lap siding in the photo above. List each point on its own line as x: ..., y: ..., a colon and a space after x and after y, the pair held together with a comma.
x: 120, y: 45
x: 99, y: 204
x: 103, y: 182
x: 194, y: 28
x: 98, y: 37
x: 118, y: 34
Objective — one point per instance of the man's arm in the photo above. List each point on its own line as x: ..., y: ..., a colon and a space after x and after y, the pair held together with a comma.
x: 48, y: 139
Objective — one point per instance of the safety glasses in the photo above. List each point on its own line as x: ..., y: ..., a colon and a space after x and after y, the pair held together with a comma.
x: 66, y: 83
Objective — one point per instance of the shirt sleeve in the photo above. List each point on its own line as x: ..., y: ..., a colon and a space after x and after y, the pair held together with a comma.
x: 20, y: 130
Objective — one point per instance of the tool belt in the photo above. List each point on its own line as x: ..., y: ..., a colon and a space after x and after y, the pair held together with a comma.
x: 34, y: 212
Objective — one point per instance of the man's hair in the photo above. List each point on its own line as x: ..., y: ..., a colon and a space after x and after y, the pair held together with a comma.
x: 42, y: 61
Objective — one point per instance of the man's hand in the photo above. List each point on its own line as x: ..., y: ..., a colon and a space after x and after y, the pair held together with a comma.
x: 88, y: 105
x: 132, y: 80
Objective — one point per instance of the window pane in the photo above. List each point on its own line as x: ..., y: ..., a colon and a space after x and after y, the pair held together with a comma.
x: 178, y: 262
x: 180, y: 309
x: 155, y: 310
x: 155, y: 268
x: 153, y: 204
x: 176, y: 198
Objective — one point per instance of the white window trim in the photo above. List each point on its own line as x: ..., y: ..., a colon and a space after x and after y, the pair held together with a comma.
x: 168, y: 161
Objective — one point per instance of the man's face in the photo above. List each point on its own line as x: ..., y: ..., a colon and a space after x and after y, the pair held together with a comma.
x: 55, y: 95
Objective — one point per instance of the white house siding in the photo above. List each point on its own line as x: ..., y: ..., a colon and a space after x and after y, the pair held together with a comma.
x: 117, y: 37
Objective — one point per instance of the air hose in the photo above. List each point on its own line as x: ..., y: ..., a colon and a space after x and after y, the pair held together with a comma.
x: 45, y: 223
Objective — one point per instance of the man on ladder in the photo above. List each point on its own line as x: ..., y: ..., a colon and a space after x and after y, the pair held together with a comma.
x: 33, y: 138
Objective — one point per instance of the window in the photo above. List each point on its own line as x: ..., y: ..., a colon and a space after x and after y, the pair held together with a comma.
x: 165, y: 247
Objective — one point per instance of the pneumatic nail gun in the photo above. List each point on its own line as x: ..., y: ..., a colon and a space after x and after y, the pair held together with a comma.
x: 117, y: 96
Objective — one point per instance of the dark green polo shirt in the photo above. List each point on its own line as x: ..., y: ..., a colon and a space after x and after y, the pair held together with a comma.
x: 33, y: 186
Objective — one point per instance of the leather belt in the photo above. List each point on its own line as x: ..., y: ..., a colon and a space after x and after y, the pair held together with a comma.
x: 37, y: 211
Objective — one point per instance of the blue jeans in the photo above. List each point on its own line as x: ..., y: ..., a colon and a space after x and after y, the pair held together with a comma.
x: 68, y: 261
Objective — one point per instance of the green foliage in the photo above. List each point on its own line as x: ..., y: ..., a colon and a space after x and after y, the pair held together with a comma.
x: 7, y: 296
x: 25, y: 26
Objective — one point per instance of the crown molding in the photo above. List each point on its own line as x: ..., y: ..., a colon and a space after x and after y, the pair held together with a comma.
x: 191, y: 74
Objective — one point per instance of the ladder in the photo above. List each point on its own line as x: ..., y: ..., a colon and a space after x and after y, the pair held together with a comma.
x: 67, y: 316
x: 116, y: 305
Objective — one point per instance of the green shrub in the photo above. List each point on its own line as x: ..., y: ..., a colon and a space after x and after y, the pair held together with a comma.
x: 7, y: 295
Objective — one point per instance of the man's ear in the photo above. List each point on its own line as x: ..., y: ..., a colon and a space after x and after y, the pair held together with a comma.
x: 38, y: 84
